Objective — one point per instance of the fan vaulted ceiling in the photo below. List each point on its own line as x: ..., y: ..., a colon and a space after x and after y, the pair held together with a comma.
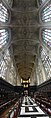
x: 25, y: 31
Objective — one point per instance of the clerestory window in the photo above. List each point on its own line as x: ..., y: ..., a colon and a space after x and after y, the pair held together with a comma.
x: 46, y: 62
x: 46, y: 37
x: 3, y: 13
x: 46, y: 13
x: 4, y: 37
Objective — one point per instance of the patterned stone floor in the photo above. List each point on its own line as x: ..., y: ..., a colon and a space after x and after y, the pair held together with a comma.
x: 30, y: 109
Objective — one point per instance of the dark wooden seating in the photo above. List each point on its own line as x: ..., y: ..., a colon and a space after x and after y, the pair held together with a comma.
x: 44, y: 103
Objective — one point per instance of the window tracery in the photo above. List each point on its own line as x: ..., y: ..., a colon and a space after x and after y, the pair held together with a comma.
x: 46, y: 37
x: 4, y: 16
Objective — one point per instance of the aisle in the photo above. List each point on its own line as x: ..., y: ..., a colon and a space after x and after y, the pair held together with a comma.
x: 30, y: 109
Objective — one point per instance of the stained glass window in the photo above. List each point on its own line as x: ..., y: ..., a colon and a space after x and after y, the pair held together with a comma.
x: 40, y: 72
x: 3, y: 13
x: 46, y: 37
x: 3, y: 37
x: 7, y: 69
x: 46, y: 14
x: 46, y: 60
x: 3, y: 69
